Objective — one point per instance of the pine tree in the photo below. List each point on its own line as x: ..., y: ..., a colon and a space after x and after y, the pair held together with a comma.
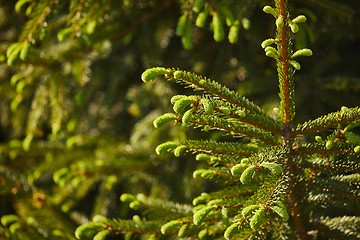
x: 275, y: 184
x: 72, y: 143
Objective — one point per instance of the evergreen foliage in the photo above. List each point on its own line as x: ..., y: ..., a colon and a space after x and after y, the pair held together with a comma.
x: 88, y: 152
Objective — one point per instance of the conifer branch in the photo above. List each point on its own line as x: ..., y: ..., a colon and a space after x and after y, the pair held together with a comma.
x: 34, y: 26
x: 157, y: 207
x: 213, y: 106
x: 222, y: 148
x: 331, y: 167
x: 20, y: 49
x: 346, y: 164
x: 233, y: 127
x: 200, y: 83
x: 220, y: 174
x: 318, y: 148
x: 330, y: 120
x: 203, y: 84
x: 117, y: 227
x: 335, y: 187
x: 226, y: 194
x: 258, y: 121
x: 341, y: 227
x: 42, y: 10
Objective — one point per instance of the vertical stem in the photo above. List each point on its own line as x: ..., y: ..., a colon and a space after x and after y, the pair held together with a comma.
x: 285, y: 73
x: 287, y: 105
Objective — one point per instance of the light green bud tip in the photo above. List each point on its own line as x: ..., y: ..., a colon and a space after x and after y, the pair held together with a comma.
x: 203, y: 234
x: 216, y: 202
x: 245, y: 161
x: 152, y: 73
x: 203, y: 157
x: 201, y: 214
x: 225, y: 110
x: 170, y: 226
x: 249, y: 209
x: 238, y: 169
x: 101, y: 235
x: 163, y: 119
x: 178, y: 74
x: 182, y: 25
x: 60, y: 174
x: 183, y: 230
x: 176, y: 98
x: 231, y: 230
x: 344, y: 109
x: 302, y: 52
x: 99, y: 219
x: 179, y: 150
x: 186, y: 119
x: 318, y: 139
x: 299, y: 19
x: 135, y: 205
x: 88, y: 230
x: 207, y: 105
x: 15, y: 227
x: 198, y: 5
x: 357, y: 149
x: 247, y: 175
x: 127, y: 197
x: 7, y: 220
x: 241, y: 113
x: 269, y: 10
x: 199, y: 200
x: 198, y: 173
x: 271, y: 52
x: 245, y: 23
x: 225, y: 212
x: 257, y: 219
x: 137, y: 219
x: 329, y: 144
x: 267, y: 42
x: 294, y: 27
x: 201, y: 19
x: 218, y: 28
x: 295, y: 64
x: 234, y: 33
x: 274, y: 168
x: 281, y: 211
x: 165, y: 147
x: 279, y: 22
x: 181, y: 104
x: 208, y: 173
x: 277, y: 111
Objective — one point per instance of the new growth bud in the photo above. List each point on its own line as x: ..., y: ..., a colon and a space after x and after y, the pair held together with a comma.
x: 267, y: 42
x: 271, y: 52
x: 295, y: 64
x: 270, y: 10
x: 302, y: 52
x: 299, y: 19
x: 294, y: 27
x: 152, y: 73
x: 279, y: 22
